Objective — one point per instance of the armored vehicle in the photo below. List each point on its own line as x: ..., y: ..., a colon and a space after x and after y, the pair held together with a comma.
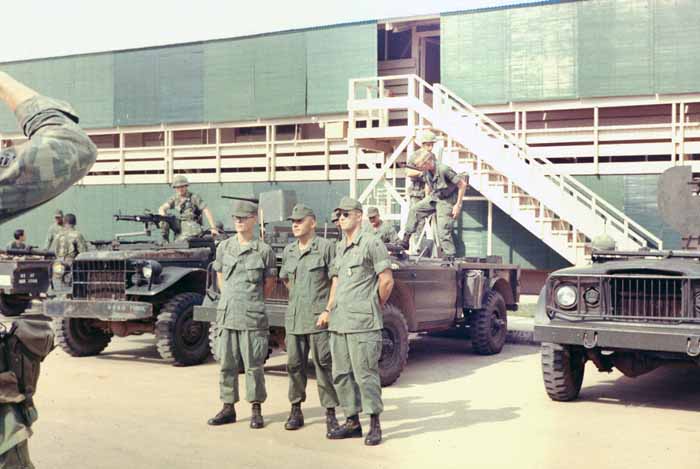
x: 134, y: 287
x: 633, y: 311
x: 429, y: 295
x: 24, y: 276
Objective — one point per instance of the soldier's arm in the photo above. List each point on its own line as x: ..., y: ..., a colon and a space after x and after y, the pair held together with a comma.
x: 82, y: 244
x: 382, y: 267
x: 57, y: 154
x: 284, y: 275
x: 322, y: 320
x: 217, y: 265
x: 413, y: 173
x: 270, y: 272
x: 163, y: 209
x: 49, y: 239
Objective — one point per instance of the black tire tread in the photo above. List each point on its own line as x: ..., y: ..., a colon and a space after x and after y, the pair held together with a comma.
x: 560, y: 380
x: 480, y: 325
x: 165, y: 324
x: 74, y: 349
x: 394, y: 314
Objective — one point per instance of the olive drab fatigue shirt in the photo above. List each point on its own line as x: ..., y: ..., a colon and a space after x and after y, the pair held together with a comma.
x: 309, y: 275
x: 244, y: 269
x: 443, y: 183
x: 357, y: 267
x: 417, y: 189
x: 189, y: 210
x: 69, y: 243
x: 385, y: 232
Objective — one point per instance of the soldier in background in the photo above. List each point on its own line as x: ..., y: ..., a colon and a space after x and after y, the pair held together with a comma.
x: 69, y: 242
x: 189, y: 209
x: 19, y: 241
x: 381, y: 229
x: 65, y: 154
x: 221, y: 231
x: 54, y: 229
x: 416, y: 191
x: 246, y: 274
x: 362, y: 283
x: 305, y: 271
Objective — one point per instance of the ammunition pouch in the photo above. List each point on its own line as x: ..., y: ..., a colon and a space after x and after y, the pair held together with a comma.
x: 22, y: 350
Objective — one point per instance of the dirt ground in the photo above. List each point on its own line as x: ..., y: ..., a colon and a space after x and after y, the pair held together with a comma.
x: 450, y: 408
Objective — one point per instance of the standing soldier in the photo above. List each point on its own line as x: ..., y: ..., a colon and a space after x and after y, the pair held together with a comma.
x: 305, y: 270
x: 19, y: 241
x: 416, y: 192
x: 189, y: 208
x: 444, y: 194
x: 362, y: 283
x: 69, y: 242
x: 246, y: 274
x: 382, y: 230
x: 54, y: 229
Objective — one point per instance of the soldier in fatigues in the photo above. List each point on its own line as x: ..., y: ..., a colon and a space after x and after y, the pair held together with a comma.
x: 55, y: 228
x: 57, y: 154
x: 19, y: 241
x: 70, y: 242
x: 246, y: 274
x: 362, y: 283
x: 380, y: 228
x: 189, y: 209
x: 416, y: 191
x: 305, y: 270
x: 444, y: 193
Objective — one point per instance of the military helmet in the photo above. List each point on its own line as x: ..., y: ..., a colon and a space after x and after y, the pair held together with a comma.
x: 427, y: 137
x: 180, y: 180
x: 603, y: 242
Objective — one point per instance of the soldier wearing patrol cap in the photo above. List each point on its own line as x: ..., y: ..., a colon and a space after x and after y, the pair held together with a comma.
x: 54, y: 229
x: 246, y: 274
x: 189, y: 208
x: 362, y: 283
x: 380, y: 228
x: 305, y: 271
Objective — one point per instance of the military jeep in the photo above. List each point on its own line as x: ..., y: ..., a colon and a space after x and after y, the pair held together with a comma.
x: 633, y: 311
x: 24, y: 276
x: 429, y: 295
x: 133, y: 287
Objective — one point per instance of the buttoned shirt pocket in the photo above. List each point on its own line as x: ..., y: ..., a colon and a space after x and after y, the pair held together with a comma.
x: 317, y: 270
x: 255, y: 317
x: 254, y: 267
x: 359, y: 316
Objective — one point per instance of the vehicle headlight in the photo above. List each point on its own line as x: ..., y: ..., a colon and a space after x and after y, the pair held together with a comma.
x: 151, y: 270
x: 58, y: 268
x: 566, y: 296
x: 147, y: 271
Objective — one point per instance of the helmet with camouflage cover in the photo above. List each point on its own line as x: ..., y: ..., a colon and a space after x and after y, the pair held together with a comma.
x: 180, y: 180
x: 427, y: 137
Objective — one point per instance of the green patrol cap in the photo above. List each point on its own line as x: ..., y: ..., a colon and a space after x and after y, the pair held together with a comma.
x: 300, y: 211
x: 348, y: 203
x: 428, y: 137
x: 59, y: 213
x: 243, y: 208
x: 180, y: 180
x: 372, y: 212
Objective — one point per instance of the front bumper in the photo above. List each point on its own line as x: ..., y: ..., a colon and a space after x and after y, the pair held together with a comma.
x: 681, y: 338
x: 108, y: 310
x: 275, y: 313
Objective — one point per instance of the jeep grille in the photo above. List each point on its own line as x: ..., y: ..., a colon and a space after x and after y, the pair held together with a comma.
x: 95, y: 279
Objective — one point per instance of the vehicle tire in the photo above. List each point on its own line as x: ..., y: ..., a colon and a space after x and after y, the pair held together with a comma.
x: 79, y: 338
x: 11, y: 307
x: 179, y: 338
x: 394, y: 345
x: 488, y: 327
x: 562, y: 370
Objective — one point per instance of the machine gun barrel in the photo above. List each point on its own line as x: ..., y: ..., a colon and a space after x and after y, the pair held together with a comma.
x: 30, y: 251
x: 147, y: 218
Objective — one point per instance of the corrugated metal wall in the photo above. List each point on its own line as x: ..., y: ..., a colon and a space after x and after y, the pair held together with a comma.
x: 276, y: 75
x: 572, y: 49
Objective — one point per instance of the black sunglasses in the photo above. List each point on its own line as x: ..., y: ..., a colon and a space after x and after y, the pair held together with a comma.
x: 345, y: 214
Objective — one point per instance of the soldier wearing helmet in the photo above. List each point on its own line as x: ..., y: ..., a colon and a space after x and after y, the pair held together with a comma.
x: 189, y: 209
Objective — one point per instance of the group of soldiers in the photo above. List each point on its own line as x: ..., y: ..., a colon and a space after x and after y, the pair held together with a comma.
x: 63, y: 238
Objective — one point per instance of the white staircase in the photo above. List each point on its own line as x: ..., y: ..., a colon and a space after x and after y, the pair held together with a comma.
x: 555, y: 207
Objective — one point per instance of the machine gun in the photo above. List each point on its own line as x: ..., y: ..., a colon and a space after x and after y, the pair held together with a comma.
x: 150, y: 220
x: 29, y: 251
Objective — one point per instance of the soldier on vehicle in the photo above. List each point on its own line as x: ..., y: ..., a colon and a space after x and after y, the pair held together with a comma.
x: 305, y: 271
x: 362, y: 284
x: 444, y: 192
x: 55, y: 228
x: 380, y: 228
x: 57, y: 154
x: 69, y: 242
x: 19, y: 241
x: 246, y: 274
x: 189, y: 209
x: 416, y: 191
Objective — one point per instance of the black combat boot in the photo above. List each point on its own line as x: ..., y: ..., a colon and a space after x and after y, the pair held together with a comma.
x: 296, y: 419
x: 256, y: 419
x: 350, y: 429
x: 374, y: 437
x: 331, y: 421
x: 405, y: 243
x: 226, y: 415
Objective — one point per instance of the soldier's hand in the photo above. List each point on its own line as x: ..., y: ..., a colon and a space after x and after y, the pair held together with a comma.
x: 456, y: 210
x: 323, y: 320
x: 214, y: 232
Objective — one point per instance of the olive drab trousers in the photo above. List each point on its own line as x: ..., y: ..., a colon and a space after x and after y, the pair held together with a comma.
x: 444, y: 221
x: 17, y: 457
x: 356, y: 355
x: 249, y: 348
x: 298, y: 348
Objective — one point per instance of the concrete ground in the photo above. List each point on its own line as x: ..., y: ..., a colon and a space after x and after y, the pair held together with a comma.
x: 450, y: 408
